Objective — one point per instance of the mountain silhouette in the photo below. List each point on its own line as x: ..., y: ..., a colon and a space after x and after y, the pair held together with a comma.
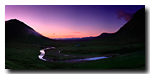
x: 133, y: 29
x: 136, y: 26
x: 103, y: 35
x: 16, y: 30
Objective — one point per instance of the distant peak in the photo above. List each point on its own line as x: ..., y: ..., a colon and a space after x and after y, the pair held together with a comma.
x: 15, y: 20
x: 18, y: 23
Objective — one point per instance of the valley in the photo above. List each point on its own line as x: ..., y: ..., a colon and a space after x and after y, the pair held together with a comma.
x: 125, y: 49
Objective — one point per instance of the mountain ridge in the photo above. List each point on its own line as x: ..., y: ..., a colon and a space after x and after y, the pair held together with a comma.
x: 133, y: 29
x: 16, y: 30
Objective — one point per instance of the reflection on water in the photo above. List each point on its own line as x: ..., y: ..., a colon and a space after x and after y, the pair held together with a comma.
x: 85, y: 59
x: 42, y: 55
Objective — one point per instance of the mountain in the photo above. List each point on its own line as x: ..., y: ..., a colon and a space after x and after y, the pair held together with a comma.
x: 103, y: 35
x: 16, y: 30
x: 133, y: 29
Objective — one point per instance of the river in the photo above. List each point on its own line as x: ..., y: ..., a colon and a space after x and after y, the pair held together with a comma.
x: 73, y: 60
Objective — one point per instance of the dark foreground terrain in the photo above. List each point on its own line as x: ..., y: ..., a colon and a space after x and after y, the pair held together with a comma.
x: 21, y: 52
x: 25, y: 56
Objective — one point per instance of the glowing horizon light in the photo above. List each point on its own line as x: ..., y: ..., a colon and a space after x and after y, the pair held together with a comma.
x: 72, y: 21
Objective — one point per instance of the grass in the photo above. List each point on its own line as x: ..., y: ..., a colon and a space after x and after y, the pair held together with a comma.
x: 120, y: 62
x: 25, y: 55
x: 104, y: 49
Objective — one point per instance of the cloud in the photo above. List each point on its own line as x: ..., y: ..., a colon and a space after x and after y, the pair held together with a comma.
x: 69, y: 35
x: 76, y: 32
x: 122, y: 14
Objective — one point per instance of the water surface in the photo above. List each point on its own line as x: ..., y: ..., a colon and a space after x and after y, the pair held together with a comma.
x: 72, y: 60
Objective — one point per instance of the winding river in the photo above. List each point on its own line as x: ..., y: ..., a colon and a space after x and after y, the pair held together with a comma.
x: 73, y: 60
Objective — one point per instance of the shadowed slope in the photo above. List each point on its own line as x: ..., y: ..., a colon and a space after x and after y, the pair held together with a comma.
x: 135, y: 27
x: 132, y: 30
x: 16, y: 30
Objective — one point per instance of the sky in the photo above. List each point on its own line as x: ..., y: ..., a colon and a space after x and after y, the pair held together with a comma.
x: 72, y: 21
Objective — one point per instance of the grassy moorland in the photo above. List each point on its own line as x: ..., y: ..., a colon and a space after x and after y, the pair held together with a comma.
x: 100, y: 48
x: 25, y: 55
x: 128, y: 42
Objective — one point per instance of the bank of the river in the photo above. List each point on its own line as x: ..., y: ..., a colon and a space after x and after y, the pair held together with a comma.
x: 54, y: 55
x: 24, y: 56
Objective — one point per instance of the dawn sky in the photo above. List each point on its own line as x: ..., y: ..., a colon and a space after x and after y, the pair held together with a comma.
x: 72, y: 21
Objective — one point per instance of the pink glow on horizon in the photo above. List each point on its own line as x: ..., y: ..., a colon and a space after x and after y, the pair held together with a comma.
x: 69, y: 21
x: 60, y: 32
x: 53, y: 31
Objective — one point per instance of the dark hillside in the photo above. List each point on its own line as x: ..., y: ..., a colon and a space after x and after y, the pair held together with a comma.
x: 133, y: 30
x: 135, y: 27
x: 16, y: 30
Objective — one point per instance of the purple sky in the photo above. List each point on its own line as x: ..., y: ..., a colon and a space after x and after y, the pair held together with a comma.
x: 67, y: 21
